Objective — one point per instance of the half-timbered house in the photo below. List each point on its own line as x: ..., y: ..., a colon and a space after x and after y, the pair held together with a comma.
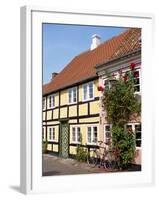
x: 72, y: 110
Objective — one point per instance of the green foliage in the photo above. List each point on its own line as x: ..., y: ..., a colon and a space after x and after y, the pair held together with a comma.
x: 81, y: 154
x: 120, y: 103
x: 44, y: 146
x: 124, y: 141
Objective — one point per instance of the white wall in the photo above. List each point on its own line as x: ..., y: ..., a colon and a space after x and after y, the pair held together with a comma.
x: 9, y: 91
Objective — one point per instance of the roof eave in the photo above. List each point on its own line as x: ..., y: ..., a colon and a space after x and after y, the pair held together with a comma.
x: 138, y: 51
x: 71, y: 85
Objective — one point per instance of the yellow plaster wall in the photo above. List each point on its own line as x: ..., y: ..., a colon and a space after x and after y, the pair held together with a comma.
x: 94, y: 107
x: 49, y: 147
x: 91, y: 119
x: 73, y: 150
x: 56, y: 99
x: 73, y: 121
x: 55, y: 147
x: 53, y: 122
x: 96, y: 92
x: 63, y: 112
x: 83, y: 109
x: 72, y: 111
x: 80, y: 93
x: 44, y: 115
x: 64, y: 97
x: 55, y: 113
x: 49, y: 114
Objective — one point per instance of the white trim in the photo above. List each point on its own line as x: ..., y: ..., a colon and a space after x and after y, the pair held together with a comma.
x: 133, y: 129
x: 72, y: 102
x: 76, y: 127
x: 44, y: 133
x: 107, y: 124
x: 43, y: 103
x: 52, y: 101
x: 53, y: 134
x: 88, y: 98
x: 92, y: 126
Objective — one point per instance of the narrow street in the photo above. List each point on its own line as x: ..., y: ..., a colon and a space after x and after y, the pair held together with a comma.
x: 53, y: 165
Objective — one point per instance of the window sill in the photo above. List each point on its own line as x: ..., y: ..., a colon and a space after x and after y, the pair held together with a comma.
x: 88, y: 99
x: 73, y: 103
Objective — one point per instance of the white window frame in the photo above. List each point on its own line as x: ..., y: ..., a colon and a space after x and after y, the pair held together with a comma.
x: 44, y: 103
x: 76, y: 134
x: 52, y: 138
x: 133, y: 129
x: 138, y: 92
x: 88, y: 93
x: 124, y: 72
x: 105, y: 138
x: 72, y: 95
x: 43, y: 134
x: 92, y: 143
x: 109, y: 84
x: 52, y: 101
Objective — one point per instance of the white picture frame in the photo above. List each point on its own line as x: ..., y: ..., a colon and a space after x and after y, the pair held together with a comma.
x: 31, y: 101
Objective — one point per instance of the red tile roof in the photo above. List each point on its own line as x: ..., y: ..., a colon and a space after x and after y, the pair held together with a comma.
x: 82, y: 67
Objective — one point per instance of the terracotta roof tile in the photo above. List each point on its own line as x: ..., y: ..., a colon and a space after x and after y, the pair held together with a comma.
x: 82, y: 67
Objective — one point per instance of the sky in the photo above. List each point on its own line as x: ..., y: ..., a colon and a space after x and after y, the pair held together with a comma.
x: 61, y: 43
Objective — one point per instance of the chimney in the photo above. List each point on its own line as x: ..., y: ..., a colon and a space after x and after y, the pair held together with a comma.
x: 95, y: 41
x: 53, y: 75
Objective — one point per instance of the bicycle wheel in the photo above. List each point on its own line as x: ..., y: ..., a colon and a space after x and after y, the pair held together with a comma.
x: 108, y: 161
x: 107, y: 164
x: 92, y: 159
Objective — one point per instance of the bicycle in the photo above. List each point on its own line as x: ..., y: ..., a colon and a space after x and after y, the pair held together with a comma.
x: 102, y: 156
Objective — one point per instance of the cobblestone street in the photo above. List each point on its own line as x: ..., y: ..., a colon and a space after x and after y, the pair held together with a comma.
x: 53, y: 165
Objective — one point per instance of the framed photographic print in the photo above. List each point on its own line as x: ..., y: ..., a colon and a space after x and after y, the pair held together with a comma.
x: 86, y: 100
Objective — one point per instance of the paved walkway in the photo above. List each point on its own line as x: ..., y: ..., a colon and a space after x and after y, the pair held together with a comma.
x: 53, y: 165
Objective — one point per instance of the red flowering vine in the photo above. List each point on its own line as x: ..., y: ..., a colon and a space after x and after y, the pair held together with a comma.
x: 132, y: 66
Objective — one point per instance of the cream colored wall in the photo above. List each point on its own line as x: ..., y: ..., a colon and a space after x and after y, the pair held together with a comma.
x: 83, y: 109
x: 73, y: 121
x: 64, y: 97
x: 49, y: 147
x: 44, y: 115
x: 49, y: 114
x: 63, y: 112
x: 53, y: 122
x: 72, y: 111
x: 44, y: 131
x: 96, y: 92
x: 55, y: 113
x: 94, y: 107
x: 90, y: 119
x: 73, y: 150
x: 55, y: 147
x: 80, y: 92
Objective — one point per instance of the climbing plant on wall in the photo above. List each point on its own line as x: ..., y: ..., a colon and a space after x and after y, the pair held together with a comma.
x: 120, y: 103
